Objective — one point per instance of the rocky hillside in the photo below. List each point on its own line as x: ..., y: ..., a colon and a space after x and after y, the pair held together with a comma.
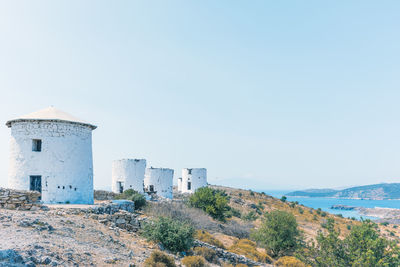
x: 376, y: 191
x: 108, y: 234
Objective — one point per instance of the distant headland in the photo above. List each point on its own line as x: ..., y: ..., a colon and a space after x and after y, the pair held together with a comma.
x: 376, y: 192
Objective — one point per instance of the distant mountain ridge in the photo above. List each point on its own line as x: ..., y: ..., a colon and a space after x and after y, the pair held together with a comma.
x: 375, y: 191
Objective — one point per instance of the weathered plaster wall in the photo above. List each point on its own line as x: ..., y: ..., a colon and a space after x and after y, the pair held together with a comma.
x: 161, y: 179
x: 65, y: 162
x: 196, y: 176
x: 179, y: 184
x: 130, y: 172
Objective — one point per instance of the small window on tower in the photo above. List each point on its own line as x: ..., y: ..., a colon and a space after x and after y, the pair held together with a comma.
x: 36, y: 145
x: 189, y: 186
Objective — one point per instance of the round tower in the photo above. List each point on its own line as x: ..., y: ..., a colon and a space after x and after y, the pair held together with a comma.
x: 51, y: 152
x: 128, y: 174
x: 159, y: 181
x: 193, y: 179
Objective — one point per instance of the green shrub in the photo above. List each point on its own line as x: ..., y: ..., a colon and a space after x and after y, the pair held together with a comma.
x: 194, y: 261
x: 130, y: 194
x: 251, y: 193
x: 384, y: 223
x: 329, y: 222
x: 159, y: 259
x: 283, y: 198
x: 233, y: 212
x: 207, y: 253
x: 323, y: 214
x: 301, y: 211
x: 364, y: 246
x: 212, y: 201
x: 348, y: 227
x: 395, y: 226
x: 208, y: 238
x: 250, y: 216
x: 174, y: 235
x: 292, y: 204
x: 278, y: 234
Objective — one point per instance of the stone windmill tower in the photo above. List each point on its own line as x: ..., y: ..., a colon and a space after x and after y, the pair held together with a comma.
x: 51, y: 152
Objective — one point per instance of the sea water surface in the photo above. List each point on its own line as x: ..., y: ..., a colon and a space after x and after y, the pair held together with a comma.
x: 326, y: 203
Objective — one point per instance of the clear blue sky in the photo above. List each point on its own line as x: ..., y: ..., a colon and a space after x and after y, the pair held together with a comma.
x: 264, y: 94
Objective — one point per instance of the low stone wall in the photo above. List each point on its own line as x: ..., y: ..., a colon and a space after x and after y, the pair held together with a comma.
x: 117, y: 214
x: 229, y: 256
x: 122, y: 219
x: 18, y: 199
x: 104, y: 195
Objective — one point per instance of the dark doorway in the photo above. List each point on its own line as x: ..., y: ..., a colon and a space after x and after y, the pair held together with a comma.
x: 151, y: 188
x: 35, y: 183
x: 120, y: 187
x: 189, y: 186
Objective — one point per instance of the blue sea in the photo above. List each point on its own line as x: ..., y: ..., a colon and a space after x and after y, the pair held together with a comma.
x: 326, y: 203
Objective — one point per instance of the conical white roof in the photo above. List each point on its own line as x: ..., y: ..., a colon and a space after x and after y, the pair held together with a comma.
x: 50, y: 114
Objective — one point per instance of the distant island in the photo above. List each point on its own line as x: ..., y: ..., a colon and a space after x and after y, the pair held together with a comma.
x: 375, y: 192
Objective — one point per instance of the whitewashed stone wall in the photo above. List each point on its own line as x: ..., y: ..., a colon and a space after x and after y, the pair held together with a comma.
x: 65, y: 162
x: 197, y: 177
x: 161, y: 180
x: 129, y: 172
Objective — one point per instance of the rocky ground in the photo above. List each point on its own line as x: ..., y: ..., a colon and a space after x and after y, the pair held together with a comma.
x: 53, y: 238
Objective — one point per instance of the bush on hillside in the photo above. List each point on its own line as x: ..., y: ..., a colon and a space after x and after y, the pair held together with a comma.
x: 174, y: 235
x: 194, y: 261
x: 362, y: 247
x: 207, y: 253
x: 212, y: 201
x: 250, y: 216
x: 130, y: 194
x: 249, y: 249
x: 159, y: 259
x: 289, y: 261
x: 278, y: 234
x: 198, y: 218
x: 208, y: 238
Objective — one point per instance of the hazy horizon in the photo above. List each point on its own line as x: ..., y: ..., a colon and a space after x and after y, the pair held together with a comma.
x: 279, y: 95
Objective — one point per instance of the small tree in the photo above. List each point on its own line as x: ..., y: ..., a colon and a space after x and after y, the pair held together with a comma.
x: 214, y: 202
x: 174, y: 235
x: 278, y: 233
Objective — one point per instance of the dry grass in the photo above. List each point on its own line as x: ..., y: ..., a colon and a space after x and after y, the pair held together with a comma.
x: 248, y: 248
x: 208, y: 238
x: 207, y: 253
x: 194, y: 261
x: 288, y: 261
x: 158, y: 258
